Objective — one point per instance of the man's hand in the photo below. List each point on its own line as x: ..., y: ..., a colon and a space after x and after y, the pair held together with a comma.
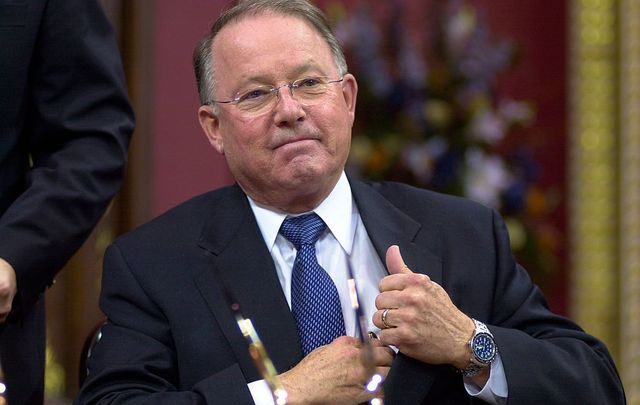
x: 335, y: 374
x: 8, y: 288
x: 421, y: 321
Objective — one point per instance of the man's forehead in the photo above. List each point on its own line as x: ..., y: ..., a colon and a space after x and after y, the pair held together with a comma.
x: 265, y: 37
x: 264, y: 20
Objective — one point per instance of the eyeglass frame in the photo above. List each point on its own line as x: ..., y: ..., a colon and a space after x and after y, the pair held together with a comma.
x: 276, y: 89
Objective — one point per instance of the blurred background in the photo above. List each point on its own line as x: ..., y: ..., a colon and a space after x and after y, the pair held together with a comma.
x: 531, y: 107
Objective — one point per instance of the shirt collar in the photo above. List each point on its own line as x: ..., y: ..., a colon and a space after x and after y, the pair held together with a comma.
x: 336, y: 211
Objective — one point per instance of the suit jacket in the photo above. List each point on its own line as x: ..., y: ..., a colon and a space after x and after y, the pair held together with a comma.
x: 171, y: 338
x: 65, y: 124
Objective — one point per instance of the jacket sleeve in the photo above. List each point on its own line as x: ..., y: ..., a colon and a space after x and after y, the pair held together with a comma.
x: 135, y: 361
x: 547, y: 358
x: 77, y: 127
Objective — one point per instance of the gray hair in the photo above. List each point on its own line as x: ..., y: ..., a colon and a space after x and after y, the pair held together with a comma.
x: 202, y: 55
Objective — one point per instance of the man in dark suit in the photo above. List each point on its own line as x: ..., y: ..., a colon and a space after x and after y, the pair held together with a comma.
x: 458, y: 320
x: 65, y: 125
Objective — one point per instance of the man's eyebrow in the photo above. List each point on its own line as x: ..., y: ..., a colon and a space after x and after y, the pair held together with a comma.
x: 268, y: 79
x: 311, y: 65
x: 252, y: 80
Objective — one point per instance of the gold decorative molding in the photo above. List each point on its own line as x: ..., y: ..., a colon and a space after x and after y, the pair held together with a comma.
x: 629, y: 17
x: 593, y: 167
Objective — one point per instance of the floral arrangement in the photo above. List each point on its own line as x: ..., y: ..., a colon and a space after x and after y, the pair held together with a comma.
x: 429, y: 116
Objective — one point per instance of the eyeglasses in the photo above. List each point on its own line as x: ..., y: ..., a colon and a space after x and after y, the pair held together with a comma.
x: 260, y: 99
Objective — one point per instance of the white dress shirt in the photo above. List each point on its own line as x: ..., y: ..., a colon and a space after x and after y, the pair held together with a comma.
x: 347, y: 242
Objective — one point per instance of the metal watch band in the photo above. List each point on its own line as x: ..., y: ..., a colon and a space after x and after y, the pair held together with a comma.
x: 475, y: 366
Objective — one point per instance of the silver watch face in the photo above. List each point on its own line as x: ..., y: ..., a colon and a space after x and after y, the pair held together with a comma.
x: 483, y: 347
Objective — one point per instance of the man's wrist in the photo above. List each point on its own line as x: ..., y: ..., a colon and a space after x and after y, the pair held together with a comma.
x: 462, y: 359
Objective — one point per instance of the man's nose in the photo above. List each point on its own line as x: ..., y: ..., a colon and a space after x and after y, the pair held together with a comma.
x: 288, y: 107
x: 285, y: 90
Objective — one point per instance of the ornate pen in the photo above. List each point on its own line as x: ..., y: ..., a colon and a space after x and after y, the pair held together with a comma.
x: 257, y: 351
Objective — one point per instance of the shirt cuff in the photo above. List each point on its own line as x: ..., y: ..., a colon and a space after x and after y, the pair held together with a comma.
x: 495, y: 391
x: 261, y: 393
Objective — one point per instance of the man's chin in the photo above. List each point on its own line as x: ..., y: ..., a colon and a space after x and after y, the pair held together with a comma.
x: 298, y: 175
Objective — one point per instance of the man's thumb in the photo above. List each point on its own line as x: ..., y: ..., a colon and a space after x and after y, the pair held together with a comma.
x: 395, y: 264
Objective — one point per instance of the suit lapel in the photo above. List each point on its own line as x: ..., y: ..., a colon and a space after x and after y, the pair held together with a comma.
x: 409, y: 381
x: 386, y: 225
x: 239, y: 259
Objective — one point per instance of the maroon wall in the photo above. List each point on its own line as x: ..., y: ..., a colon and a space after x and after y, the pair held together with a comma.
x: 540, y: 29
x: 184, y: 164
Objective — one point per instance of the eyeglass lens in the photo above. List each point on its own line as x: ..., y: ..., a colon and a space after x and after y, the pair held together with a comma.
x: 263, y: 98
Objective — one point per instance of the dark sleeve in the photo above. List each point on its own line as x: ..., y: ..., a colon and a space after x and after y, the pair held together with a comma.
x: 135, y: 361
x: 547, y: 358
x: 77, y: 128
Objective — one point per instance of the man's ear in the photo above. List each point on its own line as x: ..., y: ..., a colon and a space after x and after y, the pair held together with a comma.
x: 350, y: 92
x: 211, y: 127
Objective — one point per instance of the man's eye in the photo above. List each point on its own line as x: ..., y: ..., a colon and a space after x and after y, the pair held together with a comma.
x: 310, y: 82
x: 253, y: 94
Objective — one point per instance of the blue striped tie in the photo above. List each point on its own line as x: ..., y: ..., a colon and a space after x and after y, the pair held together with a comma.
x: 314, y: 298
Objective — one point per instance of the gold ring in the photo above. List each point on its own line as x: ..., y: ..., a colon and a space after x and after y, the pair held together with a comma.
x: 384, y: 318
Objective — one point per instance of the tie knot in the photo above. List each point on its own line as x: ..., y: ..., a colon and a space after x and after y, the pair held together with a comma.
x: 303, y: 230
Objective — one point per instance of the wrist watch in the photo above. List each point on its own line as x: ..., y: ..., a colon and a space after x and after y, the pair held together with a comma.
x: 483, y: 350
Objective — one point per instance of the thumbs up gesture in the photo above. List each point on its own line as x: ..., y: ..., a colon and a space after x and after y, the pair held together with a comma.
x: 417, y: 316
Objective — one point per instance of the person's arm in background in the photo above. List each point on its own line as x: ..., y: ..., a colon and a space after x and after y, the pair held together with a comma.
x: 77, y: 127
x: 7, y: 288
